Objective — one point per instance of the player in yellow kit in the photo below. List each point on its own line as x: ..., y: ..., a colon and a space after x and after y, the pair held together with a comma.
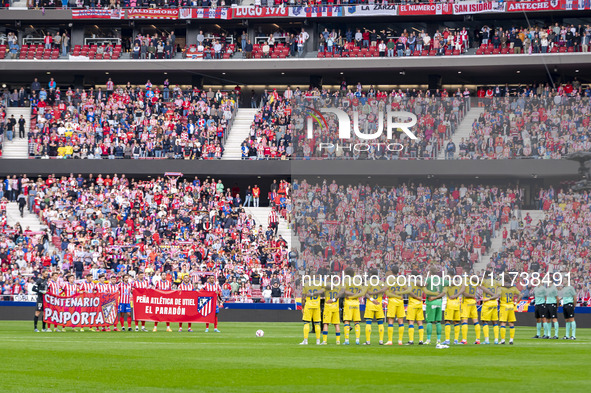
x: 351, y: 313
x: 509, y: 296
x: 311, y: 309
x: 489, y: 313
x: 469, y: 311
x: 331, y: 313
x: 452, y: 309
x: 415, y: 307
x: 395, y: 305
x: 374, y: 308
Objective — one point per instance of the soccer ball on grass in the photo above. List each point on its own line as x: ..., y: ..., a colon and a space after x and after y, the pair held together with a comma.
x: 260, y: 333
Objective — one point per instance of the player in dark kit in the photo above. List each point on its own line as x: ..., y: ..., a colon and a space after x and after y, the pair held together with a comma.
x: 40, y: 288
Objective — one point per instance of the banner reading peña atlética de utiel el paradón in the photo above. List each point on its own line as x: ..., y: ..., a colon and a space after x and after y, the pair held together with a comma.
x: 174, y: 306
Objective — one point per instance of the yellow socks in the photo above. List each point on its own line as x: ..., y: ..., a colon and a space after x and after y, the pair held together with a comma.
x: 306, y: 330
x: 390, y: 332
x: 464, y: 331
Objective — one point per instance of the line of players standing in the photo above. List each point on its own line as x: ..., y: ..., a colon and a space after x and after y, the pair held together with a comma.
x: 498, y: 304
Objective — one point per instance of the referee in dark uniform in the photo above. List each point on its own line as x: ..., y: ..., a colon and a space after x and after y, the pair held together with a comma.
x: 541, y: 312
x: 40, y: 288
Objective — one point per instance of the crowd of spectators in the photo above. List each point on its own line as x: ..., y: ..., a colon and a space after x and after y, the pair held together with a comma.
x: 275, y: 134
x: 165, y: 227
x: 170, y: 227
x: 354, y: 223
x: 210, y: 47
x: 535, y: 39
x: 407, y: 43
x: 157, y: 46
x: 354, y: 42
x: 129, y: 122
x: 415, y: 227
x: 558, y: 243
x: 529, y: 122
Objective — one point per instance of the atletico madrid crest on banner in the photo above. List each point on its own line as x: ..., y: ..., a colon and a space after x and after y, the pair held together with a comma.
x: 204, y: 305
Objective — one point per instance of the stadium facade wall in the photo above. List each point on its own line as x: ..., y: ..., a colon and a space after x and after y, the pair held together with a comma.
x: 308, y: 65
x: 457, y: 168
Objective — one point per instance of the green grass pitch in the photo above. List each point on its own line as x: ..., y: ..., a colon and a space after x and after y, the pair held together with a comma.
x: 238, y: 361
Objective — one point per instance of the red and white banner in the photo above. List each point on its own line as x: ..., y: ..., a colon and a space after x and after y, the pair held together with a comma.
x: 458, y: 8
x: 81, y: 310
x: 316, y: 12
x: 575, y: 5
x: 97, y: 14
x: 205, y: 13
x: 174, y: 306
x: 371, y: 10
x: 475, y: 7
x: 425, y: 9
x: 520, y: 6
x: 153, y: 13
x: 259, y: 12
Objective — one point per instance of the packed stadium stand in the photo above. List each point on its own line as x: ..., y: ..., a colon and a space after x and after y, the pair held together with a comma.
x: 183, y: 137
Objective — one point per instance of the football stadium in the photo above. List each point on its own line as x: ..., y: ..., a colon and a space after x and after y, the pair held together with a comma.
x: 295, y: 196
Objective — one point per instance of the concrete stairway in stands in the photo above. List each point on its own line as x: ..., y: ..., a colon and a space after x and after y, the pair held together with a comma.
x: 238, y: 133
x: 18, y: 147
x: 463, y: 131
x: 261, y: 217
x: 28, y: 220
x: 497, y: 242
